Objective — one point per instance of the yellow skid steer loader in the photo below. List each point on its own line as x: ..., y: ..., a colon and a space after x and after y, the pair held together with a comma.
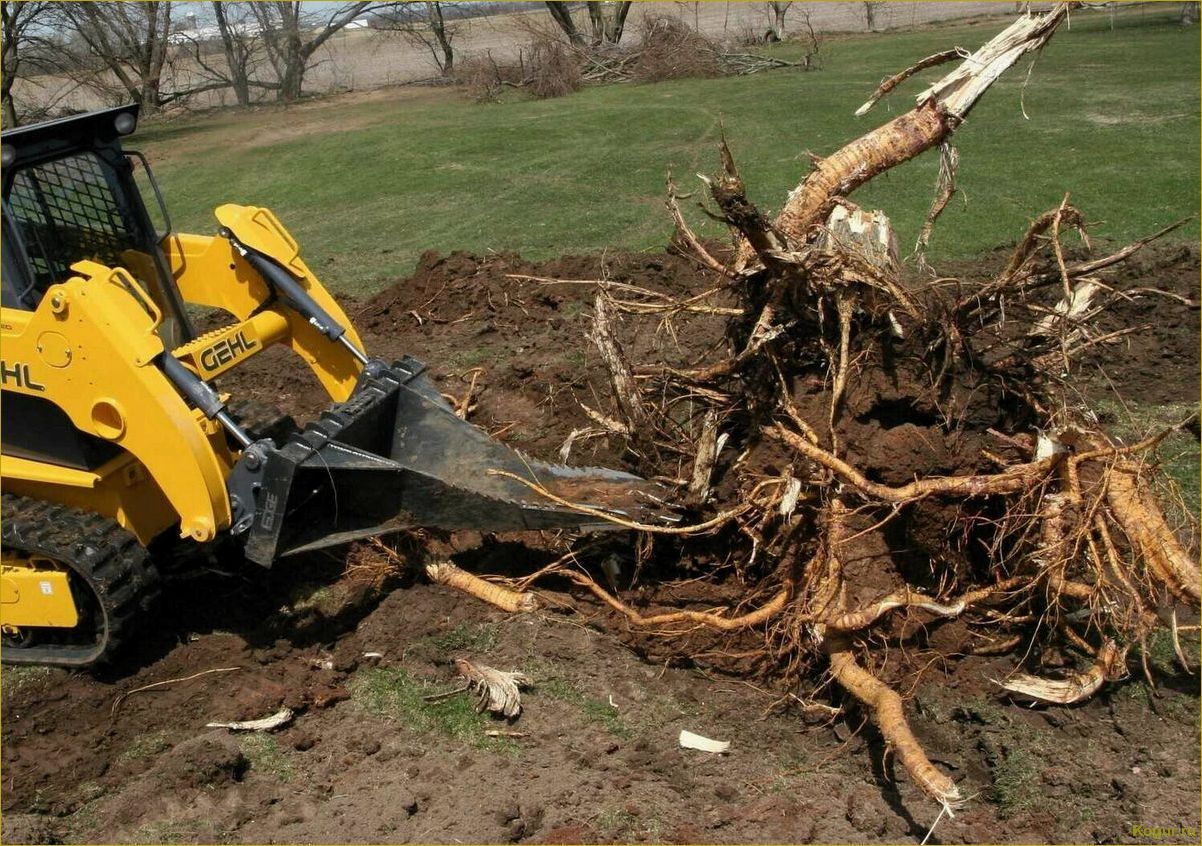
x: 114, y: 435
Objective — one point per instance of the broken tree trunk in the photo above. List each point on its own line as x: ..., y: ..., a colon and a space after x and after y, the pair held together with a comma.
x: 940, y: 110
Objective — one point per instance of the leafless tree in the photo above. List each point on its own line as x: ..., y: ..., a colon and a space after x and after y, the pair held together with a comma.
x: 870, y: 7
x: 291, y: 36
x: 232, y: 58
x: 776, y: 19
x: 813, y: 55
x: 607, y: 21
x: 442, y: 35
x: 424, y: 25
x: 129, y: 40
x: 240, y: 42
x: 562, y: 16
x: 25, y: 48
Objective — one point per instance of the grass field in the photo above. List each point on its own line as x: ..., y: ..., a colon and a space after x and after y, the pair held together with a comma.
x: 367, y: 182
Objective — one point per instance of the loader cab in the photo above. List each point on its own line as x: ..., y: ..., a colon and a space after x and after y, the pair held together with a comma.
x: 71, y: 192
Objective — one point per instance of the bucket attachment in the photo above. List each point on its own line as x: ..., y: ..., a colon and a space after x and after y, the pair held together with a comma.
x: 395, y: 456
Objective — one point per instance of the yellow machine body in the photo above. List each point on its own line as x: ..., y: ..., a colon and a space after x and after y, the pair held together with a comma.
x: 89, y: 349
x: 35, y: 596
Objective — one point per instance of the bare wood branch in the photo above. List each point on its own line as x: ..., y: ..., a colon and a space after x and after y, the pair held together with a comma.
x: 900, y: 77
x: 625, y: 389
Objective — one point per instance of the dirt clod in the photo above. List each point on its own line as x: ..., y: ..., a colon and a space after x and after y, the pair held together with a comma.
x: 407, y: 802
x: 209, y: 760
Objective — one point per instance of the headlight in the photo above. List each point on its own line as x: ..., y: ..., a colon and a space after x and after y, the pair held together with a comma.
x: 125, y: 123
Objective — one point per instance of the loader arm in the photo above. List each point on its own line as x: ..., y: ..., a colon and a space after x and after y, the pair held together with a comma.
x: 210, y: 271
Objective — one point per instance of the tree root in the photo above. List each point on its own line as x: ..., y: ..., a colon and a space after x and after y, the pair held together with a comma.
x: 1108, y: 665
x: 1015, y: 479
x: 446, y: 573
x: 1142, y: 520
x: 763, y: 614
x: 694, y: 248
x: 885, y: 706
x: 621, y: 379
x: 849, y: 621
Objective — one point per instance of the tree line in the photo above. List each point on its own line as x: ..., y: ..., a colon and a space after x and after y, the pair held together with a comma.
x: 156, y: 54
x: 152, y: 54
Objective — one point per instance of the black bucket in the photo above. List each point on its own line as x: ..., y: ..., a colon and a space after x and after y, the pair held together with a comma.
x: 395, y: 456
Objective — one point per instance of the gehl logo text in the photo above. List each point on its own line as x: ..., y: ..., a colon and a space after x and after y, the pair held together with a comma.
x: 17, y: 374
x: 225, y: 351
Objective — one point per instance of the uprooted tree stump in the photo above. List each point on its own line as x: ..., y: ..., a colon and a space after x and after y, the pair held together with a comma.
x: 875, y: 454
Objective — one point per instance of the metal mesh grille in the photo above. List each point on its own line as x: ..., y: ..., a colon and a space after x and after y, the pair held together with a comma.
x: 68, y: 211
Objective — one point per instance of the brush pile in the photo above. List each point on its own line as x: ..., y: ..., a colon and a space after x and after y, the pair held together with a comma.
x: 890, y: 467
x: 667, y: 48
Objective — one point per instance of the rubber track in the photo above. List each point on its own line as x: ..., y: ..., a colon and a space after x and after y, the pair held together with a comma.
x: 117, y: 567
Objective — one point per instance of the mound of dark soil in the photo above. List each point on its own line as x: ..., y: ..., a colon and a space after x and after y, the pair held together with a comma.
x: 1158, y: 363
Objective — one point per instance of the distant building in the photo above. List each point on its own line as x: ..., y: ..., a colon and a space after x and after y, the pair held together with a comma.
x: 191, y: 32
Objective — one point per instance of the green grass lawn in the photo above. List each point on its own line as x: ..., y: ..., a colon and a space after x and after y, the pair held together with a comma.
x: 367, y: 183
